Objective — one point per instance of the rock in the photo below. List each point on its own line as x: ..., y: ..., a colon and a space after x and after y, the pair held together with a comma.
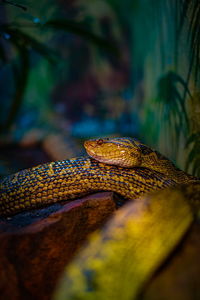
x: 37, y: 245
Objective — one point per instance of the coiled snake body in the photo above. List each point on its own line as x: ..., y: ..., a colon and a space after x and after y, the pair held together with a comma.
x: 122, y: 165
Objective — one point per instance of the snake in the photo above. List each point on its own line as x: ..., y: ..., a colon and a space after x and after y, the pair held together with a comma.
x: 125, y: 166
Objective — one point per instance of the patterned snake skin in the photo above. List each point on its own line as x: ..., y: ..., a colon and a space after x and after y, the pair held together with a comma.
x: 143, y: 170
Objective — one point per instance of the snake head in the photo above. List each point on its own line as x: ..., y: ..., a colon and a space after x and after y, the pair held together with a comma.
x: 123, y: 152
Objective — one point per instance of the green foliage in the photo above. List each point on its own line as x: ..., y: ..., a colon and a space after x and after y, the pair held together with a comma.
x: 14, y: 4
x: 21, y: 72
x: 193, y: 159
x: 22, y: 44
x: 80, y: 28
x: 171, y: 102
x: 191, y: 16
x: 26, y: 40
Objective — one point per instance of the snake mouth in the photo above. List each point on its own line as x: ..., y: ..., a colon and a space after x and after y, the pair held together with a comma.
x: 92, y: 152
x: 120, y: 162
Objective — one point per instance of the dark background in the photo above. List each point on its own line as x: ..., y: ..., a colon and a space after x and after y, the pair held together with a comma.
x: 71, y: 70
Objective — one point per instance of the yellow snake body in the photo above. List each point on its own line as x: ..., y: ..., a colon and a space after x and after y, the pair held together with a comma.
x: 141, y: 170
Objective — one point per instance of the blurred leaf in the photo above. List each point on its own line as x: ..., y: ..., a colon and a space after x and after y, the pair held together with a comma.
x: 193, y: 137
x: 22, y: 42
x: 171, y: 101
x: 190, y: 15
x: 193, y: 159
x: 28, y: 41
x: 14, y: 4
x: 183, y: 15
x: 196, y: 167
x: 79, y: 28
x: 21, y: 77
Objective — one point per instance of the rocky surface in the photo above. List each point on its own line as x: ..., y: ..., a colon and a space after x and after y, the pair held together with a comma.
x: 37, y: 245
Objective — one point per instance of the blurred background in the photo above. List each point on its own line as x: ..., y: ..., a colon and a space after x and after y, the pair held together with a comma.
x: 75, y: 69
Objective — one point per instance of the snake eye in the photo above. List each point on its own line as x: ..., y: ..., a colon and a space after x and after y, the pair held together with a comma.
x: 99, y: 141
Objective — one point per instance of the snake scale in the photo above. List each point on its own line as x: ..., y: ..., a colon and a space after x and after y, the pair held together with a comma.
x: 121, y: 165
